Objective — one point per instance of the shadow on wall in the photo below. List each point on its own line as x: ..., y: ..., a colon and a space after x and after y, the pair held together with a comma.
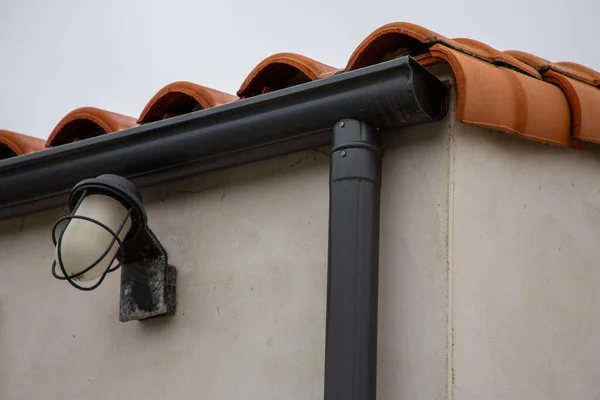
x: 247, y: 175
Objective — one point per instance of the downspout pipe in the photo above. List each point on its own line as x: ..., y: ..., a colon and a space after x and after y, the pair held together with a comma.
x: 353, y: 262
x: 395, y: 93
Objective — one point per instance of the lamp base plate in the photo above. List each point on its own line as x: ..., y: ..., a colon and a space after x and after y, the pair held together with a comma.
x: 148, y: 282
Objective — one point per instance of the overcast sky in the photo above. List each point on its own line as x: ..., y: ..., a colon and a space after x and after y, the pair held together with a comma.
x: 57, y: 55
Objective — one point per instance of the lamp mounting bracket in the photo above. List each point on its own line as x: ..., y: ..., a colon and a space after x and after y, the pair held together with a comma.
x: 148, y: 282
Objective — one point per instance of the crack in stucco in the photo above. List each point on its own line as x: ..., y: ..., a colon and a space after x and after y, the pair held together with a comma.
x: 450, y: 253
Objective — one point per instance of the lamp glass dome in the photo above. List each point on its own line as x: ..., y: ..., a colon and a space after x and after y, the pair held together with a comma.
x: 83, y: 241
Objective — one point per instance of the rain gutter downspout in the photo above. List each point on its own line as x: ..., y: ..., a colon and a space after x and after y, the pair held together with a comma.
x: 353, y: 263
x: 356, y: 106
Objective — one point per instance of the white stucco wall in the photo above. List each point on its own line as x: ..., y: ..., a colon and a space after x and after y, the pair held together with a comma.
x: 250, y: 244
x: 525, y: 230
x: 488, y: 282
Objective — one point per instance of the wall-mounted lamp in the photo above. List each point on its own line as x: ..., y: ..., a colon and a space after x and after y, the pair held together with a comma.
x: 107, y: 229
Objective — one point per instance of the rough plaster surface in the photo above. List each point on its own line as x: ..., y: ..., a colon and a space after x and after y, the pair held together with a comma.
x: 513, y: 224
x: 251, y: 247
x: 413, y: 292
x: 526, y: 276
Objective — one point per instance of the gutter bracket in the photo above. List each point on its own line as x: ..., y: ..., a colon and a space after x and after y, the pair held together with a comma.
x: 353, y: 262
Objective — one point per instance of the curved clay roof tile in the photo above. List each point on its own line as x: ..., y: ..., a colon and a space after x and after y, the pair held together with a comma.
x: 573, y: 70
x: 540, y: 64
x: 281, y: 71
x: 86, y: 122
x: 179, y: 98
x: 393, y: 40
x: 508, y: 101
x: 578, y: 71
x: 487, y: 53
x: 398, y: 39
x: 16, y: 144
x: 584, y: 101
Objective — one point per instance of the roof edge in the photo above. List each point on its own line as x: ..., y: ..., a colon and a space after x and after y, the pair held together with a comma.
x: 384, y: 95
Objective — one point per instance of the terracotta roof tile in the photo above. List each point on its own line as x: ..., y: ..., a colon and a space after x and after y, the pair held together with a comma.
x: 283, y: 70
x: 509, y: 91
x: 578, y: 71
x: 506, y: 100
x: 393, y: 40
x: 86, y: 122
x: 179, y: 98
x: 573, y: 70
x: 536, y: 62
x: 428, y: 60
x: 584, y: 101
x: 402, y: 38
x: 488, y: 53
x: 16, y: 144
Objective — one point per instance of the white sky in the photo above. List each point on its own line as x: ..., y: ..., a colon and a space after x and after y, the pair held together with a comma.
x: 57, y: 55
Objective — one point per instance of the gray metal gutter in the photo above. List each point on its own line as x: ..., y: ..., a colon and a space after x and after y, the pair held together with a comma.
x: 395, y: 93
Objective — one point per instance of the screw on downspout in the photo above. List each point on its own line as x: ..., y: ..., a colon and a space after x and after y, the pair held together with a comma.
x: 343, y: 153
x: 341, y: 124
